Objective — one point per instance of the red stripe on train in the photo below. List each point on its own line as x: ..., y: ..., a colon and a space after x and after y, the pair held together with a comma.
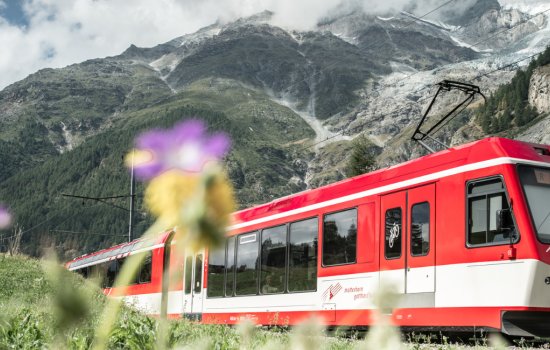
x: 413, y: 317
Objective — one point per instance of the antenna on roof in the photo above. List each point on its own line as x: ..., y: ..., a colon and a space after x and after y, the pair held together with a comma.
x: 446, y: 85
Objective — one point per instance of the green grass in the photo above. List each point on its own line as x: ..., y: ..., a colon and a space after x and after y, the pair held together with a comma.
x: 43, y: 306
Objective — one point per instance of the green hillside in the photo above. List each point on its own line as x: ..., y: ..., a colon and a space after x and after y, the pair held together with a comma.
x: 267, y: 140
x: 38, y: 112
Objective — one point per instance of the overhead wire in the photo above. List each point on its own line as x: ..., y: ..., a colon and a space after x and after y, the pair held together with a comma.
x: 87, y: 233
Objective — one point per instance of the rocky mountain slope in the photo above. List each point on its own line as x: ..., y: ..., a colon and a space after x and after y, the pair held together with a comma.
x: 291, y: 101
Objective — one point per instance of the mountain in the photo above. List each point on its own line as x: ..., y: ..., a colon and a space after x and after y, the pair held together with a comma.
x: 291, y: 101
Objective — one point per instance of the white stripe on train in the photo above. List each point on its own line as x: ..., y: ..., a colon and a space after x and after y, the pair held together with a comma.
x: 483, y: 284
x: 392, y: 187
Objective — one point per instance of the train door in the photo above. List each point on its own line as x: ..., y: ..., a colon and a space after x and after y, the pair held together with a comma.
x: 392, y: 259
x: 198, y: 264
x: 407, y: 246
x: 192, y: 284
x: 420, y: 274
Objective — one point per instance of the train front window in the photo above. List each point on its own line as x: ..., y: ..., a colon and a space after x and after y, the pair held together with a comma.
x: 486, y: 198
x: 536, y: 185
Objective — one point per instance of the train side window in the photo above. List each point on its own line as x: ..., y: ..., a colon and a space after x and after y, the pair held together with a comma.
x: 420, y: 229
x: 340, y: 238
x: 102, y: 272
x: 188, y: 273
x: 484, y: 199
x: 112, y: 272
x: 393, y: 233
x: 302, y: 263
x: 230, y: 268
x: 82, y: 272
x: 198, y: 273
x: 89, y: 272
x: 216, y: 272
x: 246, y: 274
x: 273, y: 260
x: 146, y: 270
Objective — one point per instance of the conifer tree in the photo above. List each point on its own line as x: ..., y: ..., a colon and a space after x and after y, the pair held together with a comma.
x: 362, y: 158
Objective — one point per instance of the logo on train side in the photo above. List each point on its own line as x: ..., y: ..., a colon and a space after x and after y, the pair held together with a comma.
x: 331, y: 291
x: 394, y: 234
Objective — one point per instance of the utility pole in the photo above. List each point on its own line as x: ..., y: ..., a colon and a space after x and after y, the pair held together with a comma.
x: 132, y: 196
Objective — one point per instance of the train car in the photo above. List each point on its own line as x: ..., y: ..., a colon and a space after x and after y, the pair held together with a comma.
x: 463, y: 235
x: 145, y: 290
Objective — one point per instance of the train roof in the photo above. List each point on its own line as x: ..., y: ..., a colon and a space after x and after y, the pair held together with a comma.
x: 474, y: 152
x: 120, y: 250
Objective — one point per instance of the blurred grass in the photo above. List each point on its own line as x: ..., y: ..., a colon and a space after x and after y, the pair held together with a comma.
x: 44, y: 306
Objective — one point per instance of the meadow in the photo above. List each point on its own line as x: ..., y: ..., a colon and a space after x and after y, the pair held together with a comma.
x: 44, y: 306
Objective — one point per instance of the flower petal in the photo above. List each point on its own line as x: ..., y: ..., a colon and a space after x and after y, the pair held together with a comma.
x: 5, y: 217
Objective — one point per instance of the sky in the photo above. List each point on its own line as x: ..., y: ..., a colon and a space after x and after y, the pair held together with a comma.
x: 36, y: 34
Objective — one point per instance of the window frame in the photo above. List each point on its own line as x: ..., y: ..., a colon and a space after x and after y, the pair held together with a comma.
x: 258, y: 252
x: 526, y: 201
x: 356, y: 208
x: 261, y: 238
x: 234, y: 255
x: 429, y: 230
x: 185, y: 275
x: 467, y: 197
x: 224, y: 274
x: 400, y: 234
x: 259, y: 233
x: 148, y: 256
x: 198, y: 289
x: 287, y: 291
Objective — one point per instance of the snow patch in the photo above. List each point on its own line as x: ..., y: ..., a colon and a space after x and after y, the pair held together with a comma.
x: 169, y: 61
x: 321, y: 131
x: 463, y: 44
x: 295, y: 37
x: 385, y: 18
x: 435, y: 23
x: 348, y: 39
x: 398, y: 67
x: 68, y: 137
x: 531, y: 7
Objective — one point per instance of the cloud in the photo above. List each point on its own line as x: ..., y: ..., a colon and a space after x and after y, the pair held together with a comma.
x: 62, y: 32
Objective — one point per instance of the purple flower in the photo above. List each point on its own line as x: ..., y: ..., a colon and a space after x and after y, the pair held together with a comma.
x: 5, y: 217
x: 185, y: 147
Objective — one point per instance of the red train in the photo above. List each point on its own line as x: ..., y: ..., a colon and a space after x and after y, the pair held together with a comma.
x: 464, y: 235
